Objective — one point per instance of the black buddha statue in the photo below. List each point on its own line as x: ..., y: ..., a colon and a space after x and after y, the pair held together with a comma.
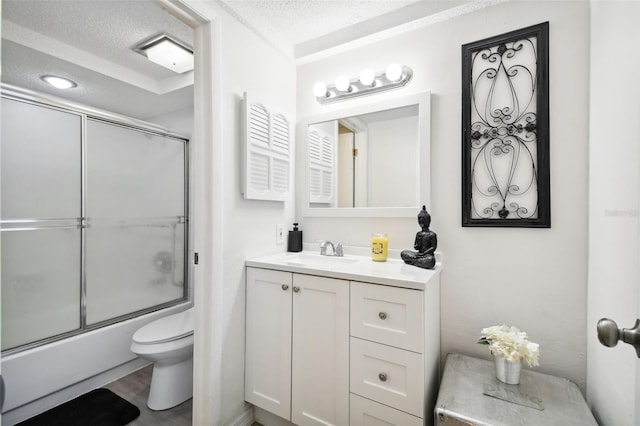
x: 425, y: 244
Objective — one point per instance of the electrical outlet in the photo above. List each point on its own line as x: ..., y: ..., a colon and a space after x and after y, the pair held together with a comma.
x: 280, y: 233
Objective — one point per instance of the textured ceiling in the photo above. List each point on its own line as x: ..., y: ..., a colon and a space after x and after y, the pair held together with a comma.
x: 298, y: 21
x: 109, y: 28
x: 90, y: 42
x: 303, y: 28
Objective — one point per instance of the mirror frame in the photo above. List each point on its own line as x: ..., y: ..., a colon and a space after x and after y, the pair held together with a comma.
x: 423, y: 160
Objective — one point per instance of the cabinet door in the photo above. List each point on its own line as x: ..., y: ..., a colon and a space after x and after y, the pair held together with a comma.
x: 320, y: 390
x: 268, y: 341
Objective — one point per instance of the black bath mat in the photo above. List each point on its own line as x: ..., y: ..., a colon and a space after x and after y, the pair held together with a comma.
x: 100, y: 407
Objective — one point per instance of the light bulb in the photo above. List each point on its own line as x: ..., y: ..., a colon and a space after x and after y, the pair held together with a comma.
x: 394, y: 72
x: 342, y: 83
x: 320, y: 89
x: 367, y: 77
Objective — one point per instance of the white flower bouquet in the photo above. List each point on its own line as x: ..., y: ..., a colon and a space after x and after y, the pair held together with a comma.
x: 510, y: 343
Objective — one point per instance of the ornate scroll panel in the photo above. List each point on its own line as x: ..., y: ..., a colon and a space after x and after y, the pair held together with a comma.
x: 505, y: 130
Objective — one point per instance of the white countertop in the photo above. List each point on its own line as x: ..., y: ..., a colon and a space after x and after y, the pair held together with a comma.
x: 393, y: 272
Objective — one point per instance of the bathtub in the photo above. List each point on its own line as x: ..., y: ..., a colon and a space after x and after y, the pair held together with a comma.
x: 41, y: 378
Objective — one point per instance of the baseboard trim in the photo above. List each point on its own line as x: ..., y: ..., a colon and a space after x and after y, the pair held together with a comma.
x: 246, y: 418
x: 268, y: 419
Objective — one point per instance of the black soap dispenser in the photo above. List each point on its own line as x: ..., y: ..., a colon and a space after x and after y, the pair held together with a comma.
x: 295, y: 239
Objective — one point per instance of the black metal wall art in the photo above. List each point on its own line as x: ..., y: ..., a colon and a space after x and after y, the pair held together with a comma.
x: 505, y: 130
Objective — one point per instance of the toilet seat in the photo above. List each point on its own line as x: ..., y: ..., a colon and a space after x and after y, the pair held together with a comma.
x: 173, y: 327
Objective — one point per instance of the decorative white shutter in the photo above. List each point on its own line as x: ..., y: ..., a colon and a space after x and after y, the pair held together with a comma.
x: 321, y: 166
x: 267, y: 161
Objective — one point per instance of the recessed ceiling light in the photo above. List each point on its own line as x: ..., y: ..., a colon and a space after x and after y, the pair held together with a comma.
x: 58, y: 82
x: 167, y: 51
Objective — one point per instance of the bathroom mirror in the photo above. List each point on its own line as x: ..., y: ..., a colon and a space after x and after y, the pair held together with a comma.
x: 366, y: 161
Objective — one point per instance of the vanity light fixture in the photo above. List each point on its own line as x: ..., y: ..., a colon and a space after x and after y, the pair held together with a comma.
x: 369, y: 82
x: 168, y: 52
x: 58, y: 82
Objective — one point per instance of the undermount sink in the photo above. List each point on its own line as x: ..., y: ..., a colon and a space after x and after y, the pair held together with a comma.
x: 312, y: 259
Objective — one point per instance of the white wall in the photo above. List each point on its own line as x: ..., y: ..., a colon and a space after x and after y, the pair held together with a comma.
x: 180, y: 122
x: 531, y: 278
x: 389, y: 164
x: 249, y: 226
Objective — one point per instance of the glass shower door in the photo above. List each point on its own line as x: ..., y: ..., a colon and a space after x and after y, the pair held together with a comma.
x: 93, y: 220
x: 41, y: 218
x: 135, y: 206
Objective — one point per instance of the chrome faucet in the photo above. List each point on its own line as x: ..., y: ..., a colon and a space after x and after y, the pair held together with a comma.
x: 323, y: 248
x: 335, y: 250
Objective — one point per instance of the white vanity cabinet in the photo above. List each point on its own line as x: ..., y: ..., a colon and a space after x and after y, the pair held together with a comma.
x: 394, y: 354
x: 297, y: 346
x: 354, y: 343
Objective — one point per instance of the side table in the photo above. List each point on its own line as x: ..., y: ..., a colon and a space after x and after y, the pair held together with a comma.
x: 470, y: 394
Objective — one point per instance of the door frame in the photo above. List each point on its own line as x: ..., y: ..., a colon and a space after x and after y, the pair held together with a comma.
x: 207, y: 185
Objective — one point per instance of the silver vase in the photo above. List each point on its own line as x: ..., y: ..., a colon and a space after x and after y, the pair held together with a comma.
x: 507, y: 371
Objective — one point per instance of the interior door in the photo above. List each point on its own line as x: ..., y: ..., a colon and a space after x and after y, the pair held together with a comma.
x: 613, y: 373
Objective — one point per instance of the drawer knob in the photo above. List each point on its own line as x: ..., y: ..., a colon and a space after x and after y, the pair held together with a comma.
x: 285, y: 287
x: 382, y: 377
x: 382, y: 315
x: 296, y: 289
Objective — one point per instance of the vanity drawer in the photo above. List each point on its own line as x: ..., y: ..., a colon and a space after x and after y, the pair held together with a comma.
x: 388, y: 315
x: 388, y: 375
x: 365, y: 412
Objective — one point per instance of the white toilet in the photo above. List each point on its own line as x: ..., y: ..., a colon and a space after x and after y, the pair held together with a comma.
x: 168, y: 343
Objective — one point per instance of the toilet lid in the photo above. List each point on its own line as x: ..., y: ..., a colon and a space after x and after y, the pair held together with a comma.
x: 166, y: 329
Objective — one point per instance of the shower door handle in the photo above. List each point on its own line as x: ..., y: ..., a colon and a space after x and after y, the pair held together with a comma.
x: 1, y: 392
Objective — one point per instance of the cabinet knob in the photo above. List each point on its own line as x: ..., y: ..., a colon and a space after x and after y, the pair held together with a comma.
x: 382, y: 315
x: 296, y: 289
x: 382, y: 377
x: 285, y: 287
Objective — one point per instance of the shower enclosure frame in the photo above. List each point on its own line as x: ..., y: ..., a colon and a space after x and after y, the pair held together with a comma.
x: 89, y: 113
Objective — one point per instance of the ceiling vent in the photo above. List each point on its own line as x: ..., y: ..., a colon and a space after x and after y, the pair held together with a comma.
x: 168, y: 52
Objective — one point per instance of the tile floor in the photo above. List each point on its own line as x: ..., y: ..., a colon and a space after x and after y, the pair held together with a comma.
x: 135, y: 389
